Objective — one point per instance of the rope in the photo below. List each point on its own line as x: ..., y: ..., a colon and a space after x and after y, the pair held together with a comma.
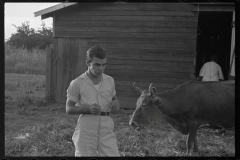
x: 98, y: 132
x: 99, y: 117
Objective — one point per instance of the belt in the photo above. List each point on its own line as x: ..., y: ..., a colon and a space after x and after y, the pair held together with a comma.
x: 104, y: 114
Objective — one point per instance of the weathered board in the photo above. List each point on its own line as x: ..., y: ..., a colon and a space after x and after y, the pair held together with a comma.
x: 97, y: 23
x: 68, y: 62
x: 146, y: 43
x: 48, y: 74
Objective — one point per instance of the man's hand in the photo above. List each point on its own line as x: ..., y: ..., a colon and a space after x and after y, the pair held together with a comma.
x: 95, y: 109
x: 115, y: 104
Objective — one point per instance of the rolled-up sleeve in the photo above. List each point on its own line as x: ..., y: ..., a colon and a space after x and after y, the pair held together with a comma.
x: 202, y: 72
x: 73, y: 91
x: 113, y: 88
x: 220, y: 73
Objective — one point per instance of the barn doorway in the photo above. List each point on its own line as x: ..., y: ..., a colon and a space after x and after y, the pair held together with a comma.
x: 214, y: 37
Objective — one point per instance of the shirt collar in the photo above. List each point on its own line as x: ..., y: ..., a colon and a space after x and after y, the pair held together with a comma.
x: 85, y: 76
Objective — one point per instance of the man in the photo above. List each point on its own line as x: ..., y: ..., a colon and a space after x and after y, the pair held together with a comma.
x: 211, y: 71
x: 92, y: 95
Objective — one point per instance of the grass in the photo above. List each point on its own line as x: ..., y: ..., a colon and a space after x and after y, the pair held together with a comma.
x: 42, y: 140
x: 21, y: 60
x: 35, y: 127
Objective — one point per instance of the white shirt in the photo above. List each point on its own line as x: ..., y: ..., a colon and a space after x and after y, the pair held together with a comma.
x: 98, y: 86
x: 211, y: 71
x: 83, y: 91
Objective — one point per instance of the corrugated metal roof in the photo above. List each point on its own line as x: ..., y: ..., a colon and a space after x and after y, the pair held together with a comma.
x: 52, y: 9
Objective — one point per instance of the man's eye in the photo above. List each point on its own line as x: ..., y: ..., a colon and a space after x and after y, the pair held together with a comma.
x: 98, y: 65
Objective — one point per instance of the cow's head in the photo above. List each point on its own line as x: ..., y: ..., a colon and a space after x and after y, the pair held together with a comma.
x: 146, y: 107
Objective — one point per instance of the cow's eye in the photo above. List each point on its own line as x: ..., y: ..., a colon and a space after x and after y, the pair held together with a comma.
x: 143, y: 106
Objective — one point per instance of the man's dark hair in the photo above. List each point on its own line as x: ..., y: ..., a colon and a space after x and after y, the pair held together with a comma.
x: 96, y: 51
x: 214, y: 58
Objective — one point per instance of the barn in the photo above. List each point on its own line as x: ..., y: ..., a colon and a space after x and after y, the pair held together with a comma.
x: 147, y: 42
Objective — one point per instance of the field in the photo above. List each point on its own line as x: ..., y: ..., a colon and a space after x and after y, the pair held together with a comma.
x: 21, y: 60
x: 35, y: 126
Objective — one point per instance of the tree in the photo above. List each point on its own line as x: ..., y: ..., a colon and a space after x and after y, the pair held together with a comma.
x: 45, y: 36
x: 30, y: 38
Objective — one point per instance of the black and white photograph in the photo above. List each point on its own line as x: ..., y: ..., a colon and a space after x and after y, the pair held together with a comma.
x: 119, y: 79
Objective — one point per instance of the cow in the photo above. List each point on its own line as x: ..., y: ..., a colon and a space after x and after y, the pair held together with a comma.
x: 188, y: 106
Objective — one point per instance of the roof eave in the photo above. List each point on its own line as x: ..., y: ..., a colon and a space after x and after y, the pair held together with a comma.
x: 47, y: 15
x: 48, y: 12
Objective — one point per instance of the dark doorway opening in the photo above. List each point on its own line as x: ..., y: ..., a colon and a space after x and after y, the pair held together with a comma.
x: 214, y: 37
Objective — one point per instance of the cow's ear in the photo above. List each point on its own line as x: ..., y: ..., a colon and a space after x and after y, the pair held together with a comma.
x: 157, y: 101
x: 154, y: 90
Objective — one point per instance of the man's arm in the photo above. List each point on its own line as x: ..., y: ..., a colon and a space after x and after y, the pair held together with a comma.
x: 221, y: 77
x: 115, y: 104
x: 75, y: 110
x: 71, y: 109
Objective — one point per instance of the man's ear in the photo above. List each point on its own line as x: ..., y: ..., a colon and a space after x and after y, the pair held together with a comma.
x: 157, y: 101
x: 88, y: 62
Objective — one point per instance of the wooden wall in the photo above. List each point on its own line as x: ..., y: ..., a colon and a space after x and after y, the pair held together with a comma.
x: 67, y: 63
x: 146, y: 42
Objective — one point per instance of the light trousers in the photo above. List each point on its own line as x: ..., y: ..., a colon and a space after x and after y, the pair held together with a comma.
x: 94, y: 137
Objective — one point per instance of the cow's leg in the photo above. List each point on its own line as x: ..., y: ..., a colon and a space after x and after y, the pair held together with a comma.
x: 195, y: 148
x: 191, y: 140
x: 189, y: 144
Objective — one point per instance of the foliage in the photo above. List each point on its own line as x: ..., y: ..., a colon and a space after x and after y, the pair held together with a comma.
x: 21, y: 60
x: 30, y: 38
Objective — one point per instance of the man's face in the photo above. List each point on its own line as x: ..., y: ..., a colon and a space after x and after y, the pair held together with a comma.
x: 97, y: 66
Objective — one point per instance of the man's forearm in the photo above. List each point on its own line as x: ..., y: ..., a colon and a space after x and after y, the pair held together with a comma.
x: 115, y: 104
x: 76, y: 110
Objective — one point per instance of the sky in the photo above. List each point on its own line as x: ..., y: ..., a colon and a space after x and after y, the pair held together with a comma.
x: 17, y: 13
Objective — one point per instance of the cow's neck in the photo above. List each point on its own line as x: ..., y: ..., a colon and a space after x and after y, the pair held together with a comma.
x: 171, y: 101
x: 177, y: 124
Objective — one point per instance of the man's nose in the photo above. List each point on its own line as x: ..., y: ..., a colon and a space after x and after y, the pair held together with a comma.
x: 101, y: 68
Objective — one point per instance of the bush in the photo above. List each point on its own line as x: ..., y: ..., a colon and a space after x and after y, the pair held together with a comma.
x: 21, y: 66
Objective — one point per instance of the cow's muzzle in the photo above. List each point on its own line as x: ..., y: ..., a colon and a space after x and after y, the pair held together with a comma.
x: 134, y: 124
